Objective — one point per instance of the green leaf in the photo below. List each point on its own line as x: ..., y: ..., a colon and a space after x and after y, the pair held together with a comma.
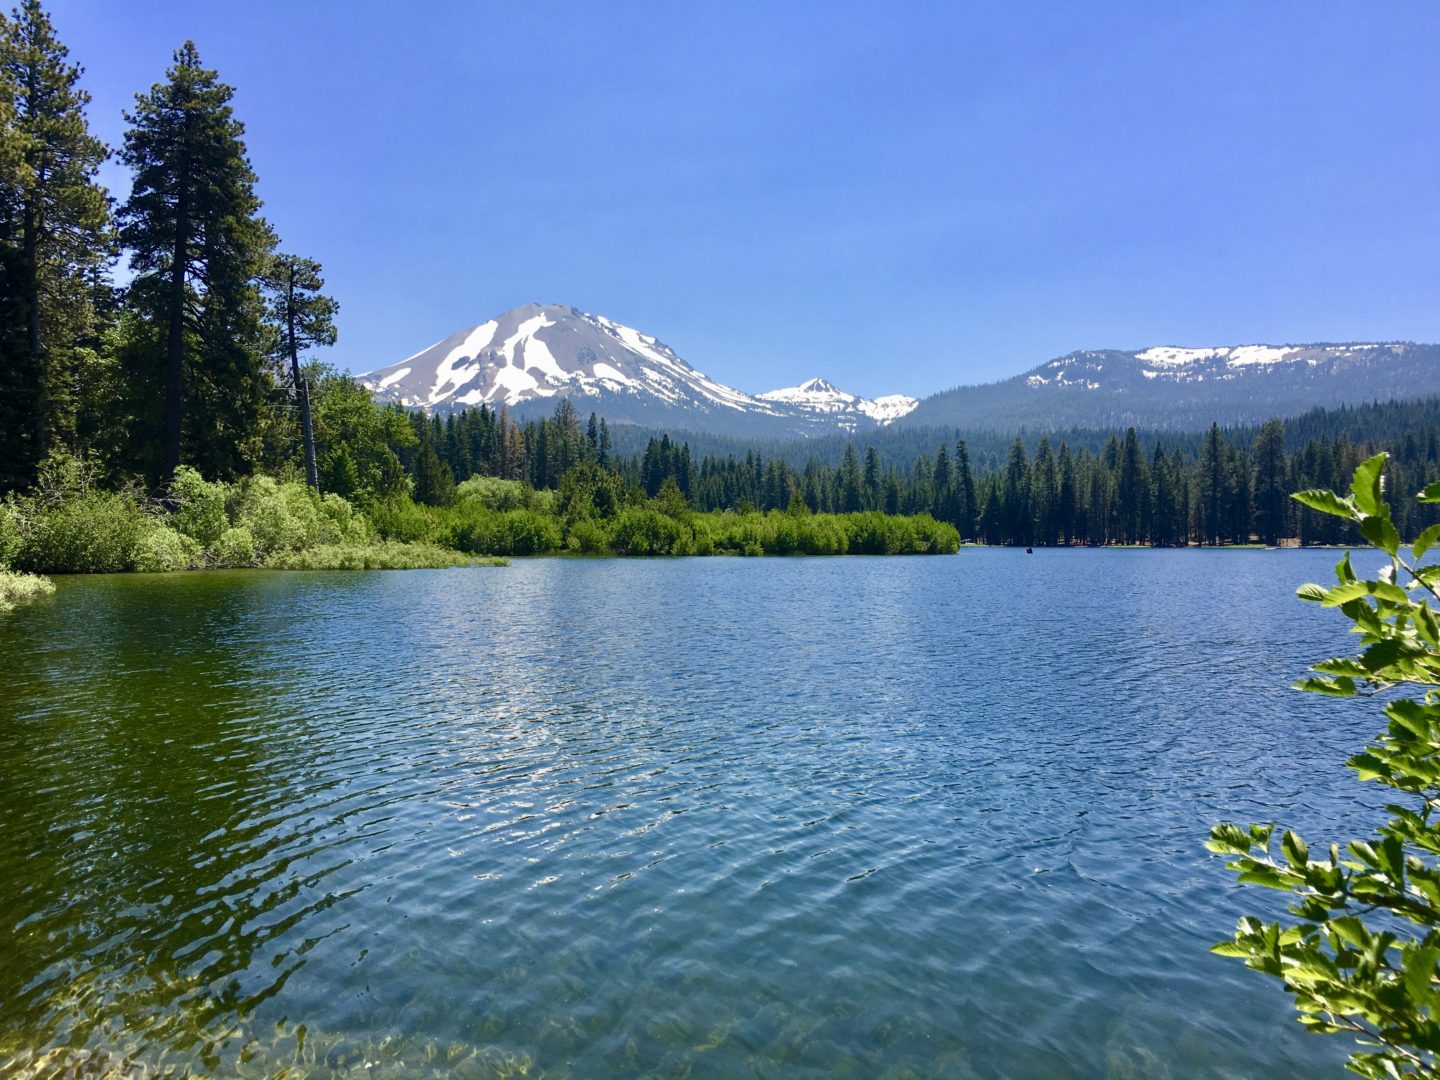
x: 1341, y: 687
x: 1430, y: 494
x: 1327, y: 502
x: 1365, y: 487
x: 1420, y: 971
x: 1312, y: 592
x: 1383, y: 654
x: 1343, y: 666
x: 1368, y: 766
x: 1426, y: 540
x: 1231, y: 948
x: 1343, y: 594
x: 1295, y: 849
x: 1343, y: 572
x: 1380, y: 532
x: 1266, y: 876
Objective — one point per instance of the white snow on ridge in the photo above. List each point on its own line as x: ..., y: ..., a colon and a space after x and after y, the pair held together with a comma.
x: 537, y: 354
x: 450, y: 375
x: 1246, y: 355
x: 523, y: 333
x: 605, y: 373
x: 515, y: 357
x: 817, y: 395
x: 1168, y: 356
x: 889, y: 407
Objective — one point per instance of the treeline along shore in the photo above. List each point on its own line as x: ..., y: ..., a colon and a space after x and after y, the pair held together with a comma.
x: 1219, y: 487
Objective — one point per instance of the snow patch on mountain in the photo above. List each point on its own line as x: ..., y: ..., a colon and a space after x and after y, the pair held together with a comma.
x: 535, y: 352
x: 820, y: 396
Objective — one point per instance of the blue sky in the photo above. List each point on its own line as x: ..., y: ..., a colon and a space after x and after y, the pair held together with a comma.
x: 901, y: 197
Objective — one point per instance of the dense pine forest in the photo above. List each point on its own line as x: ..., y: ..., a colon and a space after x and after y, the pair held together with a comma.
x: 1215, y: 487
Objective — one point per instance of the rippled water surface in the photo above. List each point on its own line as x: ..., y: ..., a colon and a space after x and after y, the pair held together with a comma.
x: 865, y: 817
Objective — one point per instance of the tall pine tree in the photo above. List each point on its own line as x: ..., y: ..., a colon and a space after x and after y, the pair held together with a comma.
x: 302, y: 318
x: 198, y: 246
x: 53, y: 239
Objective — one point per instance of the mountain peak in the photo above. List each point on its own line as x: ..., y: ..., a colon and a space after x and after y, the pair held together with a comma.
x: 532, y: 353
x: 822, y: 396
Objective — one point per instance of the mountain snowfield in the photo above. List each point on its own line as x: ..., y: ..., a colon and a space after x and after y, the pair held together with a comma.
x: 823, y: 397
x: 528, y: 355
x: 1182, y: 388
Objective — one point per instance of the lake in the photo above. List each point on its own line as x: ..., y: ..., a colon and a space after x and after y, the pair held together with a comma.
x: 703, y: 817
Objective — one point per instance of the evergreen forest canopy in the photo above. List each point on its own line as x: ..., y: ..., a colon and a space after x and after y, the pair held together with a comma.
x: 1214, y: 487
x: 205, y: 360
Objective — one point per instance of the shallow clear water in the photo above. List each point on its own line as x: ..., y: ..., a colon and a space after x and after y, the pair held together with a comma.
x: 869, y: 817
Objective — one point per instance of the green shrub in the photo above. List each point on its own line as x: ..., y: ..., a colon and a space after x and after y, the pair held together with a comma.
x: 236, y: 547
x: 514, y: 532
x: 822, y: 534
x: 349, y: 525
x: 382, y: 556
x: 199, y: 506
x: 10, y: 538
x: 400, y: 518
x: 162, y: 549
x: 588, y: 538
x: 639, y: 530
x: 17, y: 589
x: 495, y: 494
x: 290, y: 516
x: 933, y: 537
x: 91, y: 533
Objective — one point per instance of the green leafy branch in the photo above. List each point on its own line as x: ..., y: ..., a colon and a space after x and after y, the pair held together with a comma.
x: 1364, y: 957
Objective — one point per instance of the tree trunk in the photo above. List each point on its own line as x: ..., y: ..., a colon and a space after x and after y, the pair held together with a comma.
x: 302, y: 388
x: 31, y: 287
x: 175, y: 343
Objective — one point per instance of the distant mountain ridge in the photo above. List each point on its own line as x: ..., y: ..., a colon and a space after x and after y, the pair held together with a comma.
x: 527, y: 357
x: 1177, y: 388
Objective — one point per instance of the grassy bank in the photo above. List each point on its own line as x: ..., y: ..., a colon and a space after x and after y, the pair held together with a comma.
x: 17, y: 589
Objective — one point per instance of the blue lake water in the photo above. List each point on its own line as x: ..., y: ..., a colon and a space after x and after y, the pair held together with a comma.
x: 706, y: 817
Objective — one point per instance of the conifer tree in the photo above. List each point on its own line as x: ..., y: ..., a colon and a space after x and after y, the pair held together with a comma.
x: 851, y: 481
x: 1271, y: 483
x: 434, y: 483
x: 198, y: 246
x: 1067, y: 497
x: 1210, y: 508
x: 54, y: 242
x: 872, y: 478
x: 968, y: 513
x: 302, y: 318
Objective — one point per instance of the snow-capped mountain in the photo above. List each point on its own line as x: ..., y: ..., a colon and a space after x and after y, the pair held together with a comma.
x: 825, y: 398
x: 1187, y: 388
x: 528, y: 356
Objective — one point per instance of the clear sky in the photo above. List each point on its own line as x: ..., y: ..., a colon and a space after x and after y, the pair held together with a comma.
x: 900, y: 197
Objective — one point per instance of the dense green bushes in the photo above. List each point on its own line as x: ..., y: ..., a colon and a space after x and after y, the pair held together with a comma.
x: 500, y: 517
x: 68, y: 525
x: 384, y: 555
